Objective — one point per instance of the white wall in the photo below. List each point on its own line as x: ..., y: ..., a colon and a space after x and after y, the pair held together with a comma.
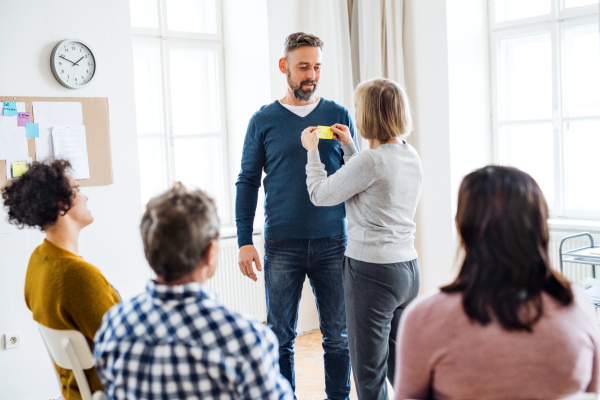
x: 469, y: 84
x: 247, y: 78
x: 29, y: 29
x: 447, y: 77
x: 426, y: 74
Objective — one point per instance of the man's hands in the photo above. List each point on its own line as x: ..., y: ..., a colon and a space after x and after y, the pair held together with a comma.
x: 341, y: 133
x: 248, y: 254
x: 310, y: 138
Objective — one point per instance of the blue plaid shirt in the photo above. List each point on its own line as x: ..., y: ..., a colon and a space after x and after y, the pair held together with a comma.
x: 179, y: 342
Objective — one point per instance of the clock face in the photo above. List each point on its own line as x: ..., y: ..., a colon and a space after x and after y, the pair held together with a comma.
x: 73, y: 63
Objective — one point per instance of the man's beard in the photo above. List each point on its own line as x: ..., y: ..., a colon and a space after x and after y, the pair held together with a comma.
x: 299, y: 93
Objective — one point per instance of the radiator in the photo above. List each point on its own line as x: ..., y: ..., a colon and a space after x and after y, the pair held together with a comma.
x: 573, y: 272
x: 237, y: 292
x: 241, y: 294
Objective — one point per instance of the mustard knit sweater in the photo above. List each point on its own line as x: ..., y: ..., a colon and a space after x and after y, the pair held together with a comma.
x: 65, y: 292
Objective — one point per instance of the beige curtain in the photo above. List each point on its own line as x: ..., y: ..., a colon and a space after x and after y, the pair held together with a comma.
x: 376, y: 40
x: 328, y: 19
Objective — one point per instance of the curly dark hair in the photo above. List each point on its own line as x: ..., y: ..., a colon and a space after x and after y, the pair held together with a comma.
x: 39, y: 196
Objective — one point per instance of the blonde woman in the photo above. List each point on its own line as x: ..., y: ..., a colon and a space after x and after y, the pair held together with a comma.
x: 380, y: 188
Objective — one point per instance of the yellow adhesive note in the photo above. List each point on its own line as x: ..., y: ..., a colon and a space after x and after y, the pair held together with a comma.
x: 325, y: 132
x: 18, y: 168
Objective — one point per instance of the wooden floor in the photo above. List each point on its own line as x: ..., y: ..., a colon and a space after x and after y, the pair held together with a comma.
x: 310, y: 375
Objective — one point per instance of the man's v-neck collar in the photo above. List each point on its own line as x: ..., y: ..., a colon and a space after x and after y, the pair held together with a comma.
x: 296, y: 115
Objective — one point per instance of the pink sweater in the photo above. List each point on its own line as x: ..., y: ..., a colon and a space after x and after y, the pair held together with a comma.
x: 442, y: 355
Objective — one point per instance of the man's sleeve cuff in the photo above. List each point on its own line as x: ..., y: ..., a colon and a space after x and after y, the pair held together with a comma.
x: 244, y: 240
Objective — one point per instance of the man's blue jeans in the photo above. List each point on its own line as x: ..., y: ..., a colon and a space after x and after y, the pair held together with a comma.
x: 287, y: 263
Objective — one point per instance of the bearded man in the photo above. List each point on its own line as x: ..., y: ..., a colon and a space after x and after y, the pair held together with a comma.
x: 300, y: 239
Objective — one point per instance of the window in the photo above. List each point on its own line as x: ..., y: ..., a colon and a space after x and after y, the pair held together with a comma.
x: 545, y: 58
x: 180, y: 97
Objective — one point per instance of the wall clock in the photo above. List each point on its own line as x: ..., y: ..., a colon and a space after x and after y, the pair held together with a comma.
x: 73, y: 63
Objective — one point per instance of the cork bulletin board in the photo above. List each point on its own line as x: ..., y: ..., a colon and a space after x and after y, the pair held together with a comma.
x: 97, y: 133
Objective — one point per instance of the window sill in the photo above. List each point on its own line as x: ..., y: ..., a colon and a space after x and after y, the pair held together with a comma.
x: 555, y: 224
x: 570, y: 224
x: 230, y: 231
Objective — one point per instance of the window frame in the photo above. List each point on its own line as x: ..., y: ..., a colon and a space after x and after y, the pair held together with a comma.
x: 554, y: 23
x: 166, y: 40
x: 163, y: 31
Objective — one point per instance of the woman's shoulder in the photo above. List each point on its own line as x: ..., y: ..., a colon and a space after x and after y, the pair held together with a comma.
x: 366, y: 158
x: 582, y: 304
x: 400, y: 153
x: 65, y: 265
x: 432, y: 315
x: 80, y: 271
x: 436, y: 306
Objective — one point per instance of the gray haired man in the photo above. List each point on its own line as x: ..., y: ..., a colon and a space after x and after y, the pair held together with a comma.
x: 176, y: 340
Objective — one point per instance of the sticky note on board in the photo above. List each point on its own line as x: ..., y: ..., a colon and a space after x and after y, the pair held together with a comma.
x: 23, y: 118
x: 325, y: 132
x: 9, y: 108
x: 32, y: 130
x: 19, y: 168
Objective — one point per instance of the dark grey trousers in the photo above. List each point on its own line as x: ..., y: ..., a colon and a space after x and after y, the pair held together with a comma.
x: 376, y: 296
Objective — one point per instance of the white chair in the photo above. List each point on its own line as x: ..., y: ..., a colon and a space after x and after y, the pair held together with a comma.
x: 69, y: 350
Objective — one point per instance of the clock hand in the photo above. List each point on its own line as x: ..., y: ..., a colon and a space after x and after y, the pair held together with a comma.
x: 67, y: 60
x: 78, y: 61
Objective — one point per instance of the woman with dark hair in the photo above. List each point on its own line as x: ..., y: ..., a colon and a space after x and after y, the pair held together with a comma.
x: 63, y: 291
x: 509, y: 326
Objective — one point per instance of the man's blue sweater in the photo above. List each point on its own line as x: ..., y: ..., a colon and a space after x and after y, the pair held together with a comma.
x: 273, y: 143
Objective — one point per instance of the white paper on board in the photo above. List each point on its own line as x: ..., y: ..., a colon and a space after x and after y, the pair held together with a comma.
x: 13, y: 140
x: 70, y: 144
x: 51, y: 114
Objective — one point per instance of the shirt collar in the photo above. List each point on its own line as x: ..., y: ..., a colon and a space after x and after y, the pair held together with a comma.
x: 179, y: 292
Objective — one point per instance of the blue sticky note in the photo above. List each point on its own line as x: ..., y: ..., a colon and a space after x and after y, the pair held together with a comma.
x: 10, y: 108
x: 32, y: 129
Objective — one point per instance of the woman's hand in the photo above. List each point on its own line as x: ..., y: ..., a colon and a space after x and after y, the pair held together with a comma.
x: 310, y: 138
x: 341, y: 133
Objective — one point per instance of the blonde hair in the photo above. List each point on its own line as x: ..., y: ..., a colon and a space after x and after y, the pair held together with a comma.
x: 383, y: 110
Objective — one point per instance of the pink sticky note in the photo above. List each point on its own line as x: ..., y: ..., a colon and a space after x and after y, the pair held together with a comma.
x: 23, y: 118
